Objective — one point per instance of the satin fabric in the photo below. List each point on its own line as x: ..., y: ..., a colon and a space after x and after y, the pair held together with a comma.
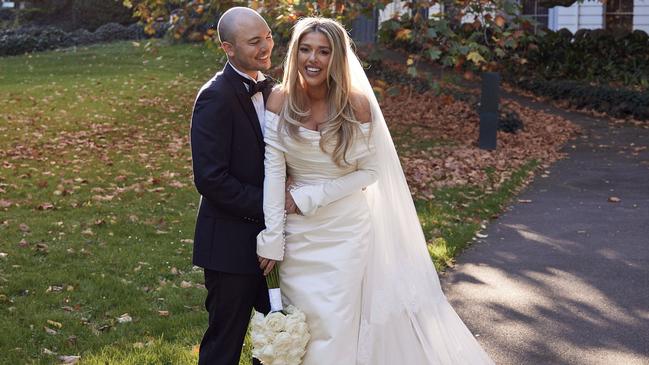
x: 362, y: 306
x: 324, y: 253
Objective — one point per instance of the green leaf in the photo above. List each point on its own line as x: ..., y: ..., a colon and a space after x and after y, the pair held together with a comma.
x: 391, y: 24
x: 511, y: 7
x: 432, y: 33
x: 510, y: 43
x: 434, y: 53
x: 449, y: 61
x: 475, y: 57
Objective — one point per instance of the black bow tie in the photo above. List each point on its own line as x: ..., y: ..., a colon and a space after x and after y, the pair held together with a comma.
x: 258, y: 87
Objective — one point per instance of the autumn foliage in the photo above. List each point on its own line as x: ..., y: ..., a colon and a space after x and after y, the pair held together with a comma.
x: 195, y: 20
x: 470, y: 35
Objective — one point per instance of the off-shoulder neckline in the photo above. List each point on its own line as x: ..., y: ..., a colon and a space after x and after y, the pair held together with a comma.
x: 363, y: 125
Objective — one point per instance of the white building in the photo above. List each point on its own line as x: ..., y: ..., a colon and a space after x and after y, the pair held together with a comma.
x: 590, y: 14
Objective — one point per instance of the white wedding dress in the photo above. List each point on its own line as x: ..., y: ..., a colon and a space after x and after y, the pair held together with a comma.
x: 325, y: 249
x: 331, y: 262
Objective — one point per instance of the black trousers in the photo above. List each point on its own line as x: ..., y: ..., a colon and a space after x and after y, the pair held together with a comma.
x: 230, y: 300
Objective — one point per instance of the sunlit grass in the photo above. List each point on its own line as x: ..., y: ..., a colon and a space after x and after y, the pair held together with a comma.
x: 451, y: 219
x: 97, y: 178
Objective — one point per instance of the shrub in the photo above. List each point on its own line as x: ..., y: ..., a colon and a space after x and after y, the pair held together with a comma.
x: 33, y: 39
x: 92, y: 14
x: 83, y: 37
x: 7, y: 15
x: 74, y: 14
x: 14, y: 42
x: 601, y: 56
x: 112, y: 31
x: 612, y: 101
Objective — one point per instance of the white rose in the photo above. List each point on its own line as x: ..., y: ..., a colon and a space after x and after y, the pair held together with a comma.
x: 257, y: 320
x: 280, y: 361
x: 291, y: 324
x: 289, y: 309
x: 294, y: 357
x: 301, y: 341
x: 275, y: 321
x: 270, y: 336
x: 259, y: 340
x: 293, y: 360
x: 256, y: 352
x: 300, y: 329
x: 267, y: 354
x: 282, y: 343
x: 296, y: 351
x: 298, y: 315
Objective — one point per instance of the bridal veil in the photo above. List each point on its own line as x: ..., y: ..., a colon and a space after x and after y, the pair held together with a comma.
x: 405, y: 317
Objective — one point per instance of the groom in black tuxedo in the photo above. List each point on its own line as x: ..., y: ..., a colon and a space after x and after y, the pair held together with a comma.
x: 228, y: 162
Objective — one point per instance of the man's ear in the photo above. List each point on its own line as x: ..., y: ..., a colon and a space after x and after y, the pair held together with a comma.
x: 228, y: 48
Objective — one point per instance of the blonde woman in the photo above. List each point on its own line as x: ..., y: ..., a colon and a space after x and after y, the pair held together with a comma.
x: 353, y: 255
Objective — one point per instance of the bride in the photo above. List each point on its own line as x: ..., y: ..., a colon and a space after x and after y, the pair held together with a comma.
x: 353, y: 255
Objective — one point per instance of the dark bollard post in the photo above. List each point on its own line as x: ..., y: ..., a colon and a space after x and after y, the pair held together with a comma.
x: 489, y: 110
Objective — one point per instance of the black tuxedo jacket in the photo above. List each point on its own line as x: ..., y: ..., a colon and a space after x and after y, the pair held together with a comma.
x: 228, y: 162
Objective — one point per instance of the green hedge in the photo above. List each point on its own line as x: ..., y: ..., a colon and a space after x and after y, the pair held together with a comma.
x: 33, y: 39
x: 70, y: 15
x: 600, y: 56
x: 615, y: 102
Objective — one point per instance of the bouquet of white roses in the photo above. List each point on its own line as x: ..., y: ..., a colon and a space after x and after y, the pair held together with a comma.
x: 279, y: 338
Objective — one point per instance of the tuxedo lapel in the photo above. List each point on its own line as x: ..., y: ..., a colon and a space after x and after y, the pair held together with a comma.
x: 244, y: 100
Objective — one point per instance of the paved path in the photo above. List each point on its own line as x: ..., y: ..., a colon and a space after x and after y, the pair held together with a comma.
x: 565, y: 279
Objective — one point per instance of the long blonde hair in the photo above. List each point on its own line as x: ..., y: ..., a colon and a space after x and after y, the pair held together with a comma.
x: 340, y: 127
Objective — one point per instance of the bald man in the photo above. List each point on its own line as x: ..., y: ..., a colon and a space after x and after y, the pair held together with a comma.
x: 228, y: 162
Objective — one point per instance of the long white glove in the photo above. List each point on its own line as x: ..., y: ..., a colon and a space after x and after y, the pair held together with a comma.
x: 270, y: 241
x: 309, y: 198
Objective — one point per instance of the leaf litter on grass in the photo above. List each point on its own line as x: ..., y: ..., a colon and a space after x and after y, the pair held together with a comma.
x: 112, y: 165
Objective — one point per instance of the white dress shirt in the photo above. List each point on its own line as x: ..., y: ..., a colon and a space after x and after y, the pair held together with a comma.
x: 257, y: 99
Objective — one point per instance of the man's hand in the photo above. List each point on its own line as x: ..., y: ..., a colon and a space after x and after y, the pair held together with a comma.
x: 266, y: 264
x: 289, y: 205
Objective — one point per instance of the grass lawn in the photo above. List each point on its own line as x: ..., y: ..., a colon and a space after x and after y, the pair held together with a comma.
x: 97, y: 206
